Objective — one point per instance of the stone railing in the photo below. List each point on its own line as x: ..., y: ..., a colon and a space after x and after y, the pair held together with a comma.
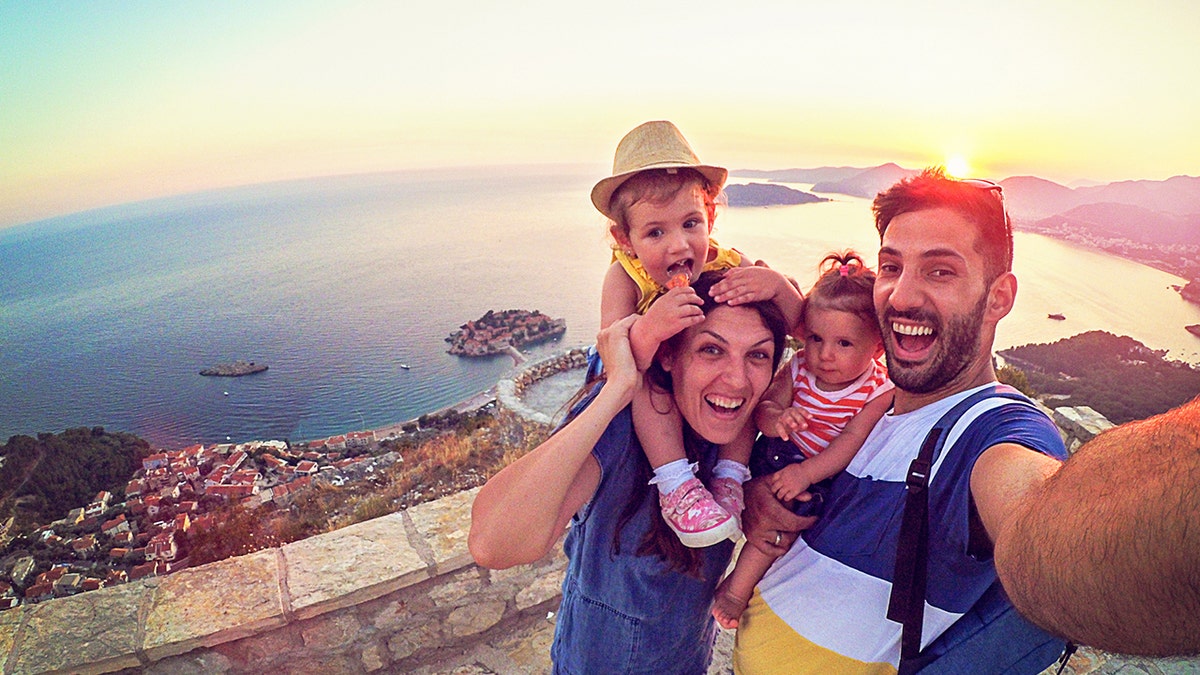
x: 509, y: 392
x: 383, y: 595
x: 1079, y: 425
x: 392, y: 594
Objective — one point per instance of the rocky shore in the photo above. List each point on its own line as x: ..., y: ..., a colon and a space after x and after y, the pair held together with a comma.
x: 235, y: 369
x: 504, y: 331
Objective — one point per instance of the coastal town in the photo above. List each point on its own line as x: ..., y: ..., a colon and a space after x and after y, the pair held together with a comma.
x: 1180, y: 259
x: 177, y: 494
x: 174, y: 495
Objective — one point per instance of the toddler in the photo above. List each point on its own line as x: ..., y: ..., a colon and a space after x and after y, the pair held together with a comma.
x: 661, y: 202
x: 821, y: 407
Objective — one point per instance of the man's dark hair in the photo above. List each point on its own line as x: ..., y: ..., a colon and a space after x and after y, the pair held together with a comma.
x: 979, y: 202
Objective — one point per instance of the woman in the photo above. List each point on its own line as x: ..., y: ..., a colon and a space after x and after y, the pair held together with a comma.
x: 634, y: 599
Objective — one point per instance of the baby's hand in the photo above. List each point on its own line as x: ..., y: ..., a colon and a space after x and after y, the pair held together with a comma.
x: 789, y: 482
x: 748, y: 284
x: 790, y: 421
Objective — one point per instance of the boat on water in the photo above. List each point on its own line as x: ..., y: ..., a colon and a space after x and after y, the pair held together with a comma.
x: 1056, y: 317
x: 405, y: 366
x: 235, y: 369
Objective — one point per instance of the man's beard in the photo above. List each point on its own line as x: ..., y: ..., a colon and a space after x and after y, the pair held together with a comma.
x: 957, y: 347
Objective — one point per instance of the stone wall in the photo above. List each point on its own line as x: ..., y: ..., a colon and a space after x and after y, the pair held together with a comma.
x: 1079, y: 425
x: 381, y: 596
x: 508, y: 392
x: 386, y: 595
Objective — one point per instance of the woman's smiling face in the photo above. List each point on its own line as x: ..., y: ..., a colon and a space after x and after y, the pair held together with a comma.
x: 720, y: 371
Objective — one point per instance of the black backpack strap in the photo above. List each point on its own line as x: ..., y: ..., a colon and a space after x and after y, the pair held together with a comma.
x: 906, y: 605
x: 1068, y: 651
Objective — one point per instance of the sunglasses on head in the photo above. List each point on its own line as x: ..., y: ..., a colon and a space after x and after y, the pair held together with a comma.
x: 983, y: 184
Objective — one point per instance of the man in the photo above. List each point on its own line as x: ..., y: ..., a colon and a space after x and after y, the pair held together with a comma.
x: 944, y: 283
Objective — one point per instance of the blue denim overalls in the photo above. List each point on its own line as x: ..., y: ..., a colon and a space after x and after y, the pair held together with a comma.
x: 627, y: 613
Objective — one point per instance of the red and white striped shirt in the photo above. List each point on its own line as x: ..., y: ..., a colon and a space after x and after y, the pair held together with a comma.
x: 831, y: 410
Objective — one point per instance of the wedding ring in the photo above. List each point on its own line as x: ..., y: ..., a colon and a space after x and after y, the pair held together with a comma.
x: 778, y: 538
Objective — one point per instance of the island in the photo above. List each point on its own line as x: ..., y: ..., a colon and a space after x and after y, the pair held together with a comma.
x: 759, y: 194
x: 504, y: 332
x: 236, y: 369
x: 1194, y: 329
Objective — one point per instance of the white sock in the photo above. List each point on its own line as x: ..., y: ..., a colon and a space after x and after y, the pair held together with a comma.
x: 728, y: 468
x: 671, y: 475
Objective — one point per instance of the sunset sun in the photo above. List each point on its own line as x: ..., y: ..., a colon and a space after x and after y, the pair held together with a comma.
x: 956, y: 165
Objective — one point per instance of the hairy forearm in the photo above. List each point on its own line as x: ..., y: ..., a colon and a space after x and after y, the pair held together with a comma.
x: 1107, y: 551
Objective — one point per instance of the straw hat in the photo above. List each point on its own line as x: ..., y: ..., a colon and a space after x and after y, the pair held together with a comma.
x: 653, y: 145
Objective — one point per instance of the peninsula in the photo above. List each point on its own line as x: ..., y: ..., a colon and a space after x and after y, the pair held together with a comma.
x: 503, y: 332
x: 235, y: 369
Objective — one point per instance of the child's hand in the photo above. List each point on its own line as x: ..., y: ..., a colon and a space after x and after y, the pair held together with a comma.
x: 748, y: 284
x: 789, y: 482
x: 790, y: 421
x: 673, y: 311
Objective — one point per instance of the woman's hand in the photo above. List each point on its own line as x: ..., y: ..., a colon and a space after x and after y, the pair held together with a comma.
x: 617, y: 355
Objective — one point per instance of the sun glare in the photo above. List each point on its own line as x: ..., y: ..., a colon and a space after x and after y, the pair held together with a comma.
x: 956, y: 166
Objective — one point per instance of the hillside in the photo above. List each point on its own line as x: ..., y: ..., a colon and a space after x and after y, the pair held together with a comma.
x: 866, y: 183
x: 1124, y: 221
x: 1117, y: 376
x: 43, y: 478
x: 1033, y: 197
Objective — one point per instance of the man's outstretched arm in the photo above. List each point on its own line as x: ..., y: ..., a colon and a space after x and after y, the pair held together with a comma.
x: 1106, y: 551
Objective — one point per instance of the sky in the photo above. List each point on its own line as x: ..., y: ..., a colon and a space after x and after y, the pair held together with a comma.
x: 109, y: 102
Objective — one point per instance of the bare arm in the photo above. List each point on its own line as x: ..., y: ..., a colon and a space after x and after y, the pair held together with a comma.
x: 521, y: 511
x: 751, y: 283
x: 619, y: 296
x: 1106, y: 551
x: 837, y: 455
x: 795, y: 478
x: 776, y: 399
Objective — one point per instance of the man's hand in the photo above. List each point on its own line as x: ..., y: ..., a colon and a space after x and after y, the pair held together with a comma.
x: 769, y: 526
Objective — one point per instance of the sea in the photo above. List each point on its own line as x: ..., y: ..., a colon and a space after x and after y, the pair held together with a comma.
x: 346, y: 287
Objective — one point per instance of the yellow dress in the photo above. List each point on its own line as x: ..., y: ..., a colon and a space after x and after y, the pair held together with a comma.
x: 719, y: 258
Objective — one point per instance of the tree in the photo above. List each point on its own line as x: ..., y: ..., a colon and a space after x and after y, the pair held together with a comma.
x: 1015, y: 377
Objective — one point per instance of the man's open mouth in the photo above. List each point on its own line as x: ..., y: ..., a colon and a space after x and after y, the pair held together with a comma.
x: 913, y: 339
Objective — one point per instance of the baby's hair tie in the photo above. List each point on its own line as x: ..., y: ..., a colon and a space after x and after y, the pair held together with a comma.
x: 844, y: 270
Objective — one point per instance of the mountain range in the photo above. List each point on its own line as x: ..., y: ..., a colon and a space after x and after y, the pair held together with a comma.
x: 1150, y: 212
